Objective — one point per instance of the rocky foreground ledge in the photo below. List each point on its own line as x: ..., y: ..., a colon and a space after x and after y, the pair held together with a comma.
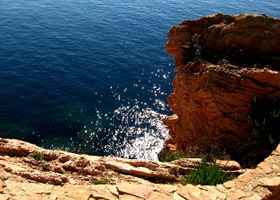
x: 66, y: 176
x: 222, y: 62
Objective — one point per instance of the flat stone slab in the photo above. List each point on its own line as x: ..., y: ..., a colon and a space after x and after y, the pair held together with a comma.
x: 21, y: 178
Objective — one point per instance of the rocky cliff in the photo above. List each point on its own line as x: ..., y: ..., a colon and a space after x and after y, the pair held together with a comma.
x: 223, y: 62
x: 28, y: 172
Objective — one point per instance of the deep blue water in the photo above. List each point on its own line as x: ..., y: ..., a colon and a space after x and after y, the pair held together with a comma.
x: 92, y: 76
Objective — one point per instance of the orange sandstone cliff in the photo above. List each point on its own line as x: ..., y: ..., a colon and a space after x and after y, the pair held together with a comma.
x: 223, y: 62
x: 212, y: 94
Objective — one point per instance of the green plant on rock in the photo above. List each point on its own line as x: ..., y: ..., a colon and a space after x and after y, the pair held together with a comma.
x: 102, y: 181
x: 37, y: 155
x: 170, y: 156
x: 206, y: 174
x: 265, y: 116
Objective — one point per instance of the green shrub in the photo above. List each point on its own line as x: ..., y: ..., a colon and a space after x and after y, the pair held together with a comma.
x: 169, y: 156
x: 37, y: 155
x: 101, y: 181
x: 265, y: 116
x: 206, y: 174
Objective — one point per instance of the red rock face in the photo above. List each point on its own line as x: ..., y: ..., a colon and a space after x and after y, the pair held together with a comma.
x: 222, y: 62
x: 253, y: 34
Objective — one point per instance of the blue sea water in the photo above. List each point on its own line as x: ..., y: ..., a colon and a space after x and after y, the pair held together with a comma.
x: 92, y: 76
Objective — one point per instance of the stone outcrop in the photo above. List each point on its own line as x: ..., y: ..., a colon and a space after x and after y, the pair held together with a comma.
x: 65, y: 167
x: 211, y: 97
x: 223, y: 62
x: 240, y: 34
x: 82, y: 177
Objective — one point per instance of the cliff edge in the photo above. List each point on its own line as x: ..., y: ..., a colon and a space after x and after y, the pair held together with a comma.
x: 223, y: 63
x: 28, y: 172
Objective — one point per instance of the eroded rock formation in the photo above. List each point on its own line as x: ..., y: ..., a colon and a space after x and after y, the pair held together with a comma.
x: 62, y: 175
x: 212, y: 95
x: 82, y: 177
x: 223, y: 62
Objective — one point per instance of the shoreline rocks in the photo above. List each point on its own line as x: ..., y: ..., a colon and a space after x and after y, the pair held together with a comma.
x: 223, y: 62
x: 60, y: 175
x: 83, y: 177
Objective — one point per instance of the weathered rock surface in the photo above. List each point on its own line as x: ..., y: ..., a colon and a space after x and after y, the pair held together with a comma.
x: 67, y: 176
x: 245, y: 34
x: 83, y: 177
x: 223, y: 62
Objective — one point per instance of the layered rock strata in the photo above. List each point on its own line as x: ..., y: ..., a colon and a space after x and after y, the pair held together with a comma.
x: 223, y: 62
x: 58, y: 175
x: 82, y: 177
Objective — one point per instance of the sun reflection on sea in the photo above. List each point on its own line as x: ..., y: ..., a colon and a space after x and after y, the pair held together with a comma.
x: 144, y: 138
x: 129, y: 125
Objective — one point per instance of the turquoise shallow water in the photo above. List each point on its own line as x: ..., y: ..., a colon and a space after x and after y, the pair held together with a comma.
x: 92, y: 76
